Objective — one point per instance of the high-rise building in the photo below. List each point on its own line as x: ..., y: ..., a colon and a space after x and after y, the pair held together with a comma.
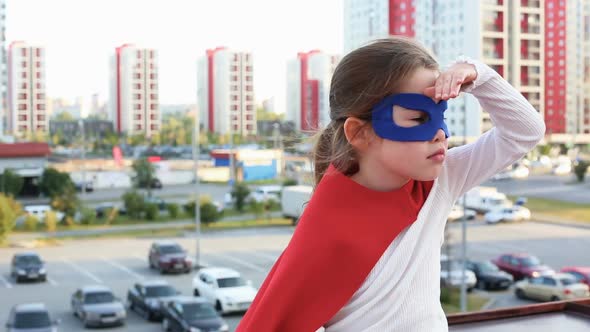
x: 308, y: 89
x: 3, y: 70
x: 134, y: 99
x: 27, y: 102
x: 366, y: 20
x: 506, y: 35
x: 226, y: 92
x: 567, y: 32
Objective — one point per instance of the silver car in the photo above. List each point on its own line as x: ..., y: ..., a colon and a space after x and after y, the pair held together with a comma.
x: 97, y: 306
x: 32, y: 317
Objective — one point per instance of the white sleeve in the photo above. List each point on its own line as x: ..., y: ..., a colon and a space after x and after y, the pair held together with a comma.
x: 518, y: 128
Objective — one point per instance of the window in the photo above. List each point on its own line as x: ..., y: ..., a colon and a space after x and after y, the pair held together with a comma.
x: 23, y: 74
x: 137, y: 86
x: 40, y: 107
x: 154, y: 127
x: 38, y: 52
x: 137, y: 76
x: 38, y: 74
x: 137, y: 127
x: 137, y: 107
x: 137, y: 96
x: 153, y: 86
x: 22, y: 107
x: 153, y: 96
x: 40, y: 96
x: 40, y: 117
x: 23, y: 51
x: 38, y: 64
x: 24, y: 64
x: 153, y: 117
x: 138, y: 54
x: 138, y: 116
x: 38, y: 85
x: 549, y: 281
x: 22, y: 118
x: 153, y: 107
x: 23, y: 86
x: 22, y: 96
x: 153, y: 76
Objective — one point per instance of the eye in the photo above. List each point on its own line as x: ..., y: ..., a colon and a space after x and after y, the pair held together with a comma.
x: 420, y: 119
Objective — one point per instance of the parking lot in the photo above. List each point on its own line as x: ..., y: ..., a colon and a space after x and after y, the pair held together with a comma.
x: 118, y: 263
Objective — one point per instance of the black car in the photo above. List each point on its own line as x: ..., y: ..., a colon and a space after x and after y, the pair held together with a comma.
x: 27, y: 266
x: 489, y: 276
x: 147, y: 298
x: 185, y: 313
x: 167, y: 256
x: 30, y: 317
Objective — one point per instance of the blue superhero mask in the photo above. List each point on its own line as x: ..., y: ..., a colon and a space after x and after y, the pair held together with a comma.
x: 385, y: 127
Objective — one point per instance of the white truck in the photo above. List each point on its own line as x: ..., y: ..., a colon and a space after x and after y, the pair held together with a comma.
x: 484, y: 199
x: 293, y: 201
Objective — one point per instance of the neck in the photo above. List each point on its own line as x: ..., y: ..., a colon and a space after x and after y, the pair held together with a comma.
x: 377, y: 178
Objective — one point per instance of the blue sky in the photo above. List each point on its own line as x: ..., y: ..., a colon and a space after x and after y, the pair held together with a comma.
x: 81, y: 35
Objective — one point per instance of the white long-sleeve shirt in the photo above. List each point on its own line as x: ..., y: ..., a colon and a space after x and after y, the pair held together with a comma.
x: 402, y: 291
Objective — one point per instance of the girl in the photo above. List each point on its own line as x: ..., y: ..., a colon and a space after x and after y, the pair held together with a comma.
x: 366, y: 253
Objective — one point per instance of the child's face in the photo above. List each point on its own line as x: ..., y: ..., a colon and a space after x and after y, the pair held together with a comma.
x: 417, y: 160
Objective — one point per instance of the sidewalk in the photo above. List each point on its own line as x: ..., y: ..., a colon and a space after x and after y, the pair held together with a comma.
x: 548, y: 219
x: 22, y: 237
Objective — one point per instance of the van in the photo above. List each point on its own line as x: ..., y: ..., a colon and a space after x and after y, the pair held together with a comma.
x: 39, y: 212
x: 264, y: 193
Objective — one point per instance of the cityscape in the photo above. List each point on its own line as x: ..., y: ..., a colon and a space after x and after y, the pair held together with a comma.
x: 124, y: 205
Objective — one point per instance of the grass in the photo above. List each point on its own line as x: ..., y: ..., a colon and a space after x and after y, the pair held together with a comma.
x: 559, y: 209
x: 474, y: 302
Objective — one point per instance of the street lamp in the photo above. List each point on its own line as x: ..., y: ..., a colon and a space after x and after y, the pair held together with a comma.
x: 196, y: 152
x: 83, y: 138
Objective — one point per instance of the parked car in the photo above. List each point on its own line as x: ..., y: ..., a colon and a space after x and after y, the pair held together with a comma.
x: 508, y: 214
x: 458, y: 214
x: 103, y: 209
x: 264, y: 193
x: 97, y: 306
x: 224, y: 288
x: 451, y: 274
x: 184, y: 313
x: 581, y: 274
x: 89, y: 187
x: 39, y: 211
x: 27, y: 266
x: 147, y: 297
x: 489, y: 276
x: 168, y: 256
x: 30, y: 317
x: 557, y: 287
x: 521, y: 265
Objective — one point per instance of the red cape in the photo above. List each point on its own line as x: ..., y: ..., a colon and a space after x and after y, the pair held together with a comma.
x: 340, y: 237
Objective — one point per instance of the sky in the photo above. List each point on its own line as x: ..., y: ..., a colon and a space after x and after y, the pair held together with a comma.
x: 80, y: 36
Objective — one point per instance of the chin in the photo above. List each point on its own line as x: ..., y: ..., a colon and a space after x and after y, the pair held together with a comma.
x: 427, y: 176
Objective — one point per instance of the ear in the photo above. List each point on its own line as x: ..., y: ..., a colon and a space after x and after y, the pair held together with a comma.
x: 357, y: 132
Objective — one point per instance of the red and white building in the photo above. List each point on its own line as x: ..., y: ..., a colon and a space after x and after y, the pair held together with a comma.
x: 27, y: 102
x: 308, y: 89
x: 567, y: 66
x: 134, y: 100
x: 226, y: 92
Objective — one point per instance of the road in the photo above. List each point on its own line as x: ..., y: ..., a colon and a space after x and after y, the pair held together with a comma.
x: 546, y: 186
x: 118, y: 263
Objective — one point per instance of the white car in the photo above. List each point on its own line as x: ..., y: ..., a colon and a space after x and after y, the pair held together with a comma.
x: 224, y: 288
x: 562, y: 169
x: 512, y: 213
x: 457, y: 213
x: 557, y: 287
x: 265, y: 193
x: 451, y: 273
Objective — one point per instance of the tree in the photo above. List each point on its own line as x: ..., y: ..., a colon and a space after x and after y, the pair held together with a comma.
x: 257, y: 208
x: 580, y: 169
x: 50, y: 221
x: 151, y: 211
x: 209, y: 212
x: 66, y: 202
x: 9, y: 210
x: 134, y: 204
x: 54, y: 183
x: 145, y: 174
x: 64, y: 116
x: 240, y: 192
x: 172, y: 210
x: 11, y: 183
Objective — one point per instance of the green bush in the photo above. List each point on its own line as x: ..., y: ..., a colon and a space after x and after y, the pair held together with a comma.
x: 31, y: 222
x: 209, y: 212
x: 240, y: 192
x: 580, y: 169
x: 189, y: 208
x: 134, y: 204
x: 289, y: 182
x: 173, y: 210
x: 445, y: 295
x: 151, y: 211
x: 50, y: 221
x: 88, y: 216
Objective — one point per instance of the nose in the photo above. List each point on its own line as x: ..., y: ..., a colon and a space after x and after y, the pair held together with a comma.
x: 440, y: 136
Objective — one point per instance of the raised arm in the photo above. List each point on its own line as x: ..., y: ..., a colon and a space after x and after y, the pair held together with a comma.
x: 518, y: 127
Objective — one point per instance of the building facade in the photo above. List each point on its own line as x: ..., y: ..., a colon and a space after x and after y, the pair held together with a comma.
x: 134, y: 99
x: 308, y: 89
x: 27, y: 102
x: 225, y: 81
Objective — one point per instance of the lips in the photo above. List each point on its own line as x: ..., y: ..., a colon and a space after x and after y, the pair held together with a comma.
x: 439, y: 153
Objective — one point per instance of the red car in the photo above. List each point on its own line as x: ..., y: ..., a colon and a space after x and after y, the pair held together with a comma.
x: 582, y: 274
x: 167, y: 256
x: 521, y: 265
